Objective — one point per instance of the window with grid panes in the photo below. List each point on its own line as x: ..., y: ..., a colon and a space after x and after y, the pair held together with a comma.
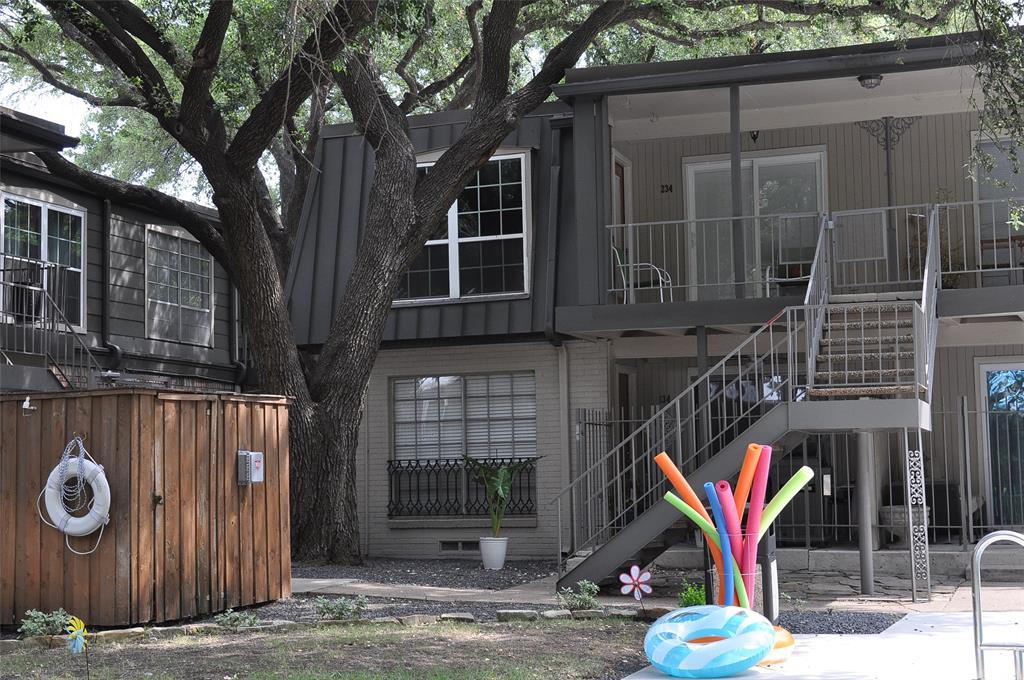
x: 32, y: 232
x: 481, y: 247
x: 179, y: 284
x: 484, y: 416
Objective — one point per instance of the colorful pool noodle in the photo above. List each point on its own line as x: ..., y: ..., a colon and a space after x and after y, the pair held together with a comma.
x: 683, y: 487
x: 713, y: 540
x: 732, y: 519
x: 723, y: 537
x: 746, y: 477
x: 757, y: 495
x: 783, y: 497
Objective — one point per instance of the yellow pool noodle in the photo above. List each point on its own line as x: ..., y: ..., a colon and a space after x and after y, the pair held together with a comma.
x: 783, y: 497
x: 712, y: 534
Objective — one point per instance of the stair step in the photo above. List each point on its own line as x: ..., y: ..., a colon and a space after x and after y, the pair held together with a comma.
x: 870, y: 308
x: 877, y: 297
x: 876, y: 324
x: 856, y: 357
x: 829, y: 376
x: 869, y: 341
x: 865, y: 391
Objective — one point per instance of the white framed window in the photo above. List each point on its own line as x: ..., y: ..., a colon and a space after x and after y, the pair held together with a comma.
x: 179, y: 287
x: 484, y: 416
x: 33, y: 232
x: 482, y: 248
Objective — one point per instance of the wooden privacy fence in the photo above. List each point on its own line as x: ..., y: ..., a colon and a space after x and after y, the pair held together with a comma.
x: 184, y: 539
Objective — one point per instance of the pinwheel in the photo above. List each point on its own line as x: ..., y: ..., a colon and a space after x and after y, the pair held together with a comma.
x: 76, y: 635
x: 635, y: 581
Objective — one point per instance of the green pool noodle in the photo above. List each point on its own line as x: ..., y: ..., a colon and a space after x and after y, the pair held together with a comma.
x: 712, y: 534
x: 783, y: 497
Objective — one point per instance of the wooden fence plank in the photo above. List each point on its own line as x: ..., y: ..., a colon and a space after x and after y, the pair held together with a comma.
x: 121, y: 515
x: 216, y: 512
x: 283, y: 494
x: 172, y: 510
x: 9, y: 461
x: 244, y: 509
x: 52, y: 554
x: 273, y: 499
x: 187, y: 466
x: 102, y: 445
x: 232, y: 531
x: 202, y: 506
x: 259, y: 510
x: 77, y: 570
x: 26, y: 594
x: 159, y: 525
x: 144, y: 452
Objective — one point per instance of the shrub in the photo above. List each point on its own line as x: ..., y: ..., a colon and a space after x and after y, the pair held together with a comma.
x: 692, y: 595
x: 340, y: 608
x: 236, y: 620
x: 585, y: 597
x: 43, y: 623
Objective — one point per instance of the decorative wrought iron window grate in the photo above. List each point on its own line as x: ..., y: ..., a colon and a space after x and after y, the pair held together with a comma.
x: 443, y: 487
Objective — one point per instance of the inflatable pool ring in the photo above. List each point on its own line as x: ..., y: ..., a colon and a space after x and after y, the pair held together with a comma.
x: 783, y: 649
x: 670, y: 644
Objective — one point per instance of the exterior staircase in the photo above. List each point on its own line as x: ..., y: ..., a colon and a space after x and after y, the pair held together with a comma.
x: 822, y: 357
x: 39, y: 348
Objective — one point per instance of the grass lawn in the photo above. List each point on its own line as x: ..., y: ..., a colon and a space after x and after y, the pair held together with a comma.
x: 519, y: 651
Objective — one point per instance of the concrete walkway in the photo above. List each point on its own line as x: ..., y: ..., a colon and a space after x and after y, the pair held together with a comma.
x: 952, y: 598
x: 936, y: 646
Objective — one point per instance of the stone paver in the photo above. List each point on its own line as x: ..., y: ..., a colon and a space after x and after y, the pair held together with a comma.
x: 555, y: 614
x: 516, y: 615
x: 458, y: 617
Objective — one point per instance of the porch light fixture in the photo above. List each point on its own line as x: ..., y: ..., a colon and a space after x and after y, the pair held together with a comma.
x: 870, y: 81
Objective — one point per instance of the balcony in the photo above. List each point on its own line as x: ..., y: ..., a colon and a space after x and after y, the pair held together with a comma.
x: 872, y: 250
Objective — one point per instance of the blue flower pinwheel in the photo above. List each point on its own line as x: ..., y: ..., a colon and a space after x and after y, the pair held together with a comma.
x: 76, y: 635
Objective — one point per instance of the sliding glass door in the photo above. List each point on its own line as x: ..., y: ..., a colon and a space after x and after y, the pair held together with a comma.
x: 1002, y: 424
x: 774, y: 247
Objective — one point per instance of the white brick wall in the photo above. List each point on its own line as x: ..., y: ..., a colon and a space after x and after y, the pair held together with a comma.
x: 588, y: 364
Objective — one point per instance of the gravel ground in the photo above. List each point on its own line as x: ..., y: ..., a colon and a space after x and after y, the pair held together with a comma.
x: 837, y: 622
x: 441, y: 573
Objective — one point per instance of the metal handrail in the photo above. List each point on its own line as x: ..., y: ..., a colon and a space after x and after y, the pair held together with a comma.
x: 929, y: 298
x: 40, y: 328
x: 818, y: 293
x: 980, y: 646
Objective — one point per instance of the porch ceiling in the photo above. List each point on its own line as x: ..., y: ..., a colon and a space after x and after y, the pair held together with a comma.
x: 789, y: 104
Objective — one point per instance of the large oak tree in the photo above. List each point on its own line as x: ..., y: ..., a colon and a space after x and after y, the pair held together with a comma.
x: 238, y: 91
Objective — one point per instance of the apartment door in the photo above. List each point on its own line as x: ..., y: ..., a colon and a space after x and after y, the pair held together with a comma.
x: 790, y: 185
x: 1001, y: 422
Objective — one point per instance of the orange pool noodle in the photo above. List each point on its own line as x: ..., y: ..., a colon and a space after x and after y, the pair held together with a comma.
x: 746, y: 478
x: 690, y: 498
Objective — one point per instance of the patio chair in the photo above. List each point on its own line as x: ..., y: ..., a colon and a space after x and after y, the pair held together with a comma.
x: 630, y: 273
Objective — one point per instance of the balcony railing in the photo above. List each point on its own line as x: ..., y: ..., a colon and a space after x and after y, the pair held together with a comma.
x: 682, y: 260
x: 445, y: 487
x: 981, y: 243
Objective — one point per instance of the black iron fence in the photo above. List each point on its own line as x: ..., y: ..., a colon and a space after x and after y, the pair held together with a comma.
x: 445, y: 487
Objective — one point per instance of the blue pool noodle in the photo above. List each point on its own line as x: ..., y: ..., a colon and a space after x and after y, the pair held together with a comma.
x: 723, y: 536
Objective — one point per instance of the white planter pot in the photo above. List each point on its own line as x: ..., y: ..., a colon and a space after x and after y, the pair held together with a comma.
x: 492, y: 552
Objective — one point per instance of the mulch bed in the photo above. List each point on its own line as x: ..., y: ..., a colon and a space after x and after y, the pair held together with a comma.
x: 438, y: 573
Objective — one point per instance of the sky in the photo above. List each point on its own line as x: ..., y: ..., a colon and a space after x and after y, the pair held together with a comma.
x: 44, y: 102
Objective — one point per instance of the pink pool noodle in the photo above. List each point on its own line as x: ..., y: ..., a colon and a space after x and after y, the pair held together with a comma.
x: 732, y: 519
x: 757, y: 494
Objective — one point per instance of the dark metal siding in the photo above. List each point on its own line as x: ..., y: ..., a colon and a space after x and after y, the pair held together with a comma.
x: 332, y: 222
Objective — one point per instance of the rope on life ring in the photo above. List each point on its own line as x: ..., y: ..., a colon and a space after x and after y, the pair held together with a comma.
x: 63, y: 499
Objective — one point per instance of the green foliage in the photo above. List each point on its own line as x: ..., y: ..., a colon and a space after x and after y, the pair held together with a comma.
x: 692, y: 595
x: 340, y: 608
x: 496, y: 479
x: 584, y: 597
x: 44, y: 623
x: 236, y: 620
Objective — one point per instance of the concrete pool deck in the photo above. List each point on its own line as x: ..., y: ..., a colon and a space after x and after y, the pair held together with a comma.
x: 928, y: 645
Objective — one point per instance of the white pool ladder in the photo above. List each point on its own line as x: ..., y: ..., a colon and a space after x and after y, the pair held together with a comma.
x: 980, y: 646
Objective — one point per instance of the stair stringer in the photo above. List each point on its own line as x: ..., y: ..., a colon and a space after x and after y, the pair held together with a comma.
x: 770, y: 427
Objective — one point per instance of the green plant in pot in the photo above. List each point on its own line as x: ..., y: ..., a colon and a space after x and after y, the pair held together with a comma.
x: 496, y: 479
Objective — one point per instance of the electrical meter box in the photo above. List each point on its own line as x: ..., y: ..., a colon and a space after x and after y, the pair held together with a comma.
x: 250, y: 467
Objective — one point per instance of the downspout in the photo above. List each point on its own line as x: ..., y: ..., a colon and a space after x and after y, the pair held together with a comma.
x: 241, y: 369
x: 116, y: 354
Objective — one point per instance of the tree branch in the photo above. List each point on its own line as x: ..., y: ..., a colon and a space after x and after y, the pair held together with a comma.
x: 292, y: 87
x: 421, y: 38
x: 499, y: 35
x: 204, y: 230
x: 195, y: 98
x: 138, y: 24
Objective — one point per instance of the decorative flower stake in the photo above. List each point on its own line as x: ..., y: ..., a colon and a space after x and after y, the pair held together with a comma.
x: 635, y: 581
x: 77, y: 639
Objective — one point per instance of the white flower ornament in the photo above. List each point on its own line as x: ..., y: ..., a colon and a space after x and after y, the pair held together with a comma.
x: 635, y: 581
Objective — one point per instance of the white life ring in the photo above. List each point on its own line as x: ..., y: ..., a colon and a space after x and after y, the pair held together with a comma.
x: 99, y: 511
